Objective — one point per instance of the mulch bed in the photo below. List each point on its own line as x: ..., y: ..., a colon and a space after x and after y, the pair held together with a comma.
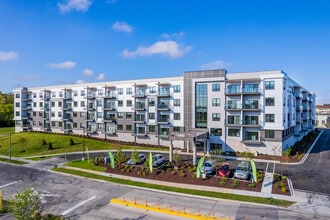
x: 184, y: 174
x: 280, y: 185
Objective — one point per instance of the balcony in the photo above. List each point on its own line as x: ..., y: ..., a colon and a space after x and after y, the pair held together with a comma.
x: 299, y: 108
x: 140, y: 119
x: 163, y: 120
x: 109, y: 118
x: 91, y: 95
x: 140, y: 94
x: 139, y: 106
x: 164, y: 94
x: 233, y: 91
x: 110, y: 107
x: 251, y: 107
x: 251, y: 123
x: 298, y: 95
x: 233, y: 107
x: 251, y: 91
x: 91, y: 108
x: 164, y: 106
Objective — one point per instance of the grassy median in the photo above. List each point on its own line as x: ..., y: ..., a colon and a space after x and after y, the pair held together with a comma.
x: 269, y: 201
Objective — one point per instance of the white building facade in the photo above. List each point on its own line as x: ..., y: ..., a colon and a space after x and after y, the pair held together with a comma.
x: 261, y: 112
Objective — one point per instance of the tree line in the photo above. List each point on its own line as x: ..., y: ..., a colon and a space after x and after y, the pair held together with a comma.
x: 6, y: 110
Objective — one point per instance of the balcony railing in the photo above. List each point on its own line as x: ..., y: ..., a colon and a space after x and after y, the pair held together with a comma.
x: 251, y: 90
x: 235, y: 91
x: 233, y: 106
x: 163, y: 120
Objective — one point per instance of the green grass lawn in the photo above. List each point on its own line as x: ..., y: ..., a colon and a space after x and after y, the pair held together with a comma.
x: 85, y: 165
x: 7, y: 130
x: 33, y: 143
x: 12, y: 161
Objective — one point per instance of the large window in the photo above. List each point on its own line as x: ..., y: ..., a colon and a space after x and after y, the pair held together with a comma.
x: 270, y: 117
x: 251, y: 136
x: 201, y: 105
x: 176, y: 116
x: 152, y: 128
x: 129, y: 91
x: 234, y: 132
x: 216, y: 132
x: 176, y: 102
x: 216, y: 102
x: 215, y: 116
x: 151, y: 115
x: 269, y: 85
x: 176, y: 88
x: 216, y: 87
x: 152, y: 89
x: 270, y: 101
x: 269, y: 134
x: 234, y: 119
x: 120, y: 91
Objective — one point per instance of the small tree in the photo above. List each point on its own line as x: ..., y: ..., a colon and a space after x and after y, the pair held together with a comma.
x: 22, y: 141
x: 43, y: 142
x: 134, y: 156
x: 71, y: 142
x: 25, y: 205
x: 120, y: 157
x: 176, y: 157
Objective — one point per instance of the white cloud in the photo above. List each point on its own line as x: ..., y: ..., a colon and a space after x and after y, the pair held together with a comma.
x: 218, y: 64
x: 63, y: 65
x: 6, y: 56
x: 80, y: 81
x: 78, y: 5
x: 100, y: 77
x: 122, y: 27
x: 174, y: 35
x: 88, y: 72
x: 169, y: 48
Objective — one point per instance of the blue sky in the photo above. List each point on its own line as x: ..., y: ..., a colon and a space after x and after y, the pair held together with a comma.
x: 52, y: 42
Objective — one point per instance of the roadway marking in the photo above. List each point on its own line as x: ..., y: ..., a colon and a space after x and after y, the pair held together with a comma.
x: 76, y: 206
x: 8, y: 184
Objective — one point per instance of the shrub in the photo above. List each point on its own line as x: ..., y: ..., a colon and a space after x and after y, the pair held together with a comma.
x: 252, y: 185
x: 283, y: 189
x: 50, y: 146
x: 223, y: 181
x: 71, y: 142
x: 43, y: 142
x: 235, y: 183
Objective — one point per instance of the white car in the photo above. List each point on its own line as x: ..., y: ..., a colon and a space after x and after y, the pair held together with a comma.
x: 141, y: 159
x: 158, y: 160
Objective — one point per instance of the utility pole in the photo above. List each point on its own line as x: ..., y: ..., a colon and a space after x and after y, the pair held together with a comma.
x: 9, y: 146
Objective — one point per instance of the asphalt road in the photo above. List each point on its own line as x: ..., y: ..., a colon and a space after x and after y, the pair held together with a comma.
x: 314, y: 174
x: 80, y: 198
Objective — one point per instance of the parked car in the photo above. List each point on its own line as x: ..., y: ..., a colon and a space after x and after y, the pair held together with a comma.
x: 243, y: 170
x: 209, y: 167
x: 141, y: 159
x: 224, y: 170
x: 158, y: 160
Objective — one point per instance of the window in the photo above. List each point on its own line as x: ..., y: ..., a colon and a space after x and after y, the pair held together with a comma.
x: 53, y: 123
x: 99, y: 115
x: 216, y: 87
x: 60, y: 124
x: 151, y: 115
x: 120, y: 103
x: 215, y: 116
x: 40, y: 114
x: 270, y: 101
x: 34, y: 113
x: 151, y: 102
x: 59, y: 104
x: 234, y: 119
x: 216, y: 131
x: 176, y: 88
x: 176, y: 116
x: 269, y: 134
x: 216, y: 102
x: 17, y: 104
x: 82, y: 92
x: 128, y: 127
x: 270, y: 117
x: 17, y: 95
x: 75, y: 93
x: 129, y: 103
x: 34, y: 104
x: 176, y: 102
x: 75, y: 125
x: 120, y: 91
x: 59, y: 114
x: 53, y: 104
x: 75, y: 104
x: 99, y: 103
x: 41, y: 104
x: 82, y: 114
x: 75, y: 114
x: 17, y: 114
x: 53, y: 114
x: 120, y: 115
x: 234, y: 132
x: 53, y: 94
x: 152, y: 89
x: 82, y: 125
x: 119, y: 127
x: 40, y: 123
x: 129, y: 91
x: 129, y: 115
x: 152, y: 128
x: 82, y: 104
x: 100, y: 92
x: 269, y: 85
x: 176, y: 129
x: 201, y: 105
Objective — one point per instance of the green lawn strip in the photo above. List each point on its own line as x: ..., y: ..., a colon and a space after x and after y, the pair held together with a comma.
x: 85, y: 165
x: 34, y: 143
x: 38, y: 158
x: 12, y: 161
x: 6, y: 130
x: 269, y: 201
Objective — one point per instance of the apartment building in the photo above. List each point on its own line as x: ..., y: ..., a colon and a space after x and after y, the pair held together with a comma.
x: 323, y: 116
x: 261, y: 112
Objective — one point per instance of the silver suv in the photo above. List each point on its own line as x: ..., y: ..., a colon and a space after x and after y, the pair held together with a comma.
x: 243, y: 170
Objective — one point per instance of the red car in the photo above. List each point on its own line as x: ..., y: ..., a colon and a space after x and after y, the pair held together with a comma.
x: 224, y: 170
